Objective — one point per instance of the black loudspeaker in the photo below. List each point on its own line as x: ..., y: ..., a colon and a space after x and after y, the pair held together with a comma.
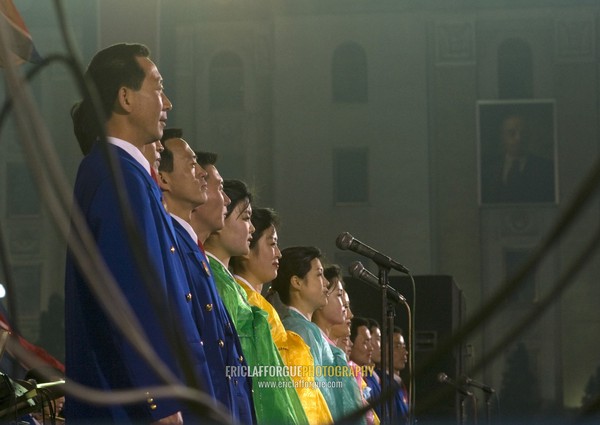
x: 440, y: 310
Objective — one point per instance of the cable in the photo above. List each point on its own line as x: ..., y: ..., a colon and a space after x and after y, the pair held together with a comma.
x: 145, y: 265
x: 566, y: 278
x: 384, y: 397
x: 30, y: 133
x: 488, y: 309
x: 583, y: 196
x: 411, y: 356
x: 4, y: 260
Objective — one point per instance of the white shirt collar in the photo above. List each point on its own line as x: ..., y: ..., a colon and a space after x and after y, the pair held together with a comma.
x: 187, y: 226
x: 298, y: 311
x: 131, y: 150
x: 245, y: 282
x: 220, y: 262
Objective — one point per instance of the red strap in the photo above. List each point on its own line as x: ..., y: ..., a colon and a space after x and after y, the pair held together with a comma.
x: 153, y: 175
x: 201, y: 247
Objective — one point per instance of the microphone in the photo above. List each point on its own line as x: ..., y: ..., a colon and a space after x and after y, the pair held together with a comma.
x: 346, y: 241
x: 485, y: 388
x: 358, y: 271
x: 444, y: 379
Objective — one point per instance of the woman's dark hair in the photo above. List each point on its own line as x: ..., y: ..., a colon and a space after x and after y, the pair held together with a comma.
x: 294, y: 261
x: 110, y: 69
x: 238, y: 192
x: 331, y: 272
x: 262, y: 219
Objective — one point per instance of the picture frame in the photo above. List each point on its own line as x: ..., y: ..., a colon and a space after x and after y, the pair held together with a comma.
x: 517, y: 151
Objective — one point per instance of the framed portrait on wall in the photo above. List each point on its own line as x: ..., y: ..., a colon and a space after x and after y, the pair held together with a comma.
x: 517, y: 152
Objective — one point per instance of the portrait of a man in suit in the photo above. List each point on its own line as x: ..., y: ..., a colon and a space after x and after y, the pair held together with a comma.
x: 517, y: 152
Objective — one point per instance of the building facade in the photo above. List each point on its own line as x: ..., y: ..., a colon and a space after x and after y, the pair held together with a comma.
x: 370, y: 118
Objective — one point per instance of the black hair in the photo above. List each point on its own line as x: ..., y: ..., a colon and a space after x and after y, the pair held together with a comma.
x: 355, y: 323
x: 373, y: 324
x: 110, y: 69
x: 171, y: 133
x: 332, y: 271
x: 262, y: 219
x: 206, y: 158
x: 294, y: 261
x: 238, y: 192
x: 166, y: 156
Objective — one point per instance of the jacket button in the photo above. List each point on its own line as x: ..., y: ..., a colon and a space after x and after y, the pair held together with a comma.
x: 172, y: 249
x: 188, y: 296
x: 221, y: 343
x: 153, y: 407
x: 208, y: 307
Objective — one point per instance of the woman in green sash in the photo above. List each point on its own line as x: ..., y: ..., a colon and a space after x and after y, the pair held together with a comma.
x: 275, y: 398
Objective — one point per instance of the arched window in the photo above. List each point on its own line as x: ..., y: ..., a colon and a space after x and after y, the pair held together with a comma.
x: 349, y: 74
x: 515, y: 74
x: 226, y: 76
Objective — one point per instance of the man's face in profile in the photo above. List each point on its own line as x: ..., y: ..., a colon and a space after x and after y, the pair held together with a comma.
x: 152, y: 152
x: 513, y: 136
x: 400, y: 352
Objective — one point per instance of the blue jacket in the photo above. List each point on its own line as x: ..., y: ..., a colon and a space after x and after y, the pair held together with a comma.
x: 400, y: 404
x: 221, y: 342
x: 97, y: 355
x: 375, y: 386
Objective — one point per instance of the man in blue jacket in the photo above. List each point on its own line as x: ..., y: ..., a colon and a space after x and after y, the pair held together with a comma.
x: 182, y: 194
x: 141, y: 253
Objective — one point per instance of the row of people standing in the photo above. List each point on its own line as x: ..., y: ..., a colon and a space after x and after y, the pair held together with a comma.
x: 194, y: 288
x: 244, y: 255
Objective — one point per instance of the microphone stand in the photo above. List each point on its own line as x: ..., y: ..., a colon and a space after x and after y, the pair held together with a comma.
x: 488, y: 407
x: 488, y: 393
x: 462, y: 414
x: 463, y: 411
x: 390, y: 313
x: 474, y: 399
x: 387, y: 347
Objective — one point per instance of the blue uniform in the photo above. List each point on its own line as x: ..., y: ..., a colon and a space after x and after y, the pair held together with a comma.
x: 97, y: 355
x: 221, y: 342
x: 373, y: 383
x: 400, y: 404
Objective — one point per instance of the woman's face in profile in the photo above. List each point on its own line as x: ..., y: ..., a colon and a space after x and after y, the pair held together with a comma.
x: 335, y: 312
